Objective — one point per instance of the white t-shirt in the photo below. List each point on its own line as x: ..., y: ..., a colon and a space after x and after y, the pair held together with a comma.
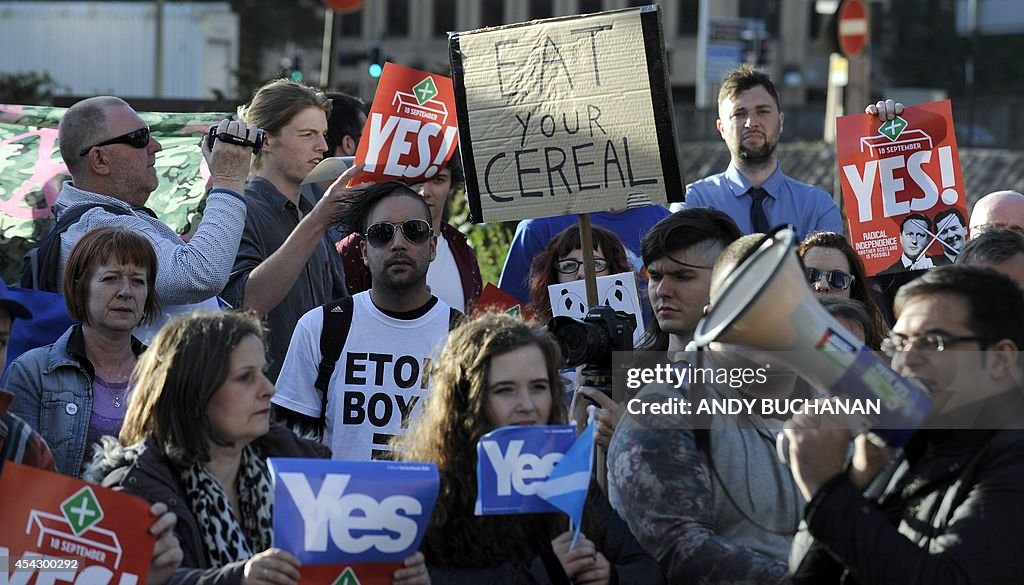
x: 443, y: 277
x: 379, y: 382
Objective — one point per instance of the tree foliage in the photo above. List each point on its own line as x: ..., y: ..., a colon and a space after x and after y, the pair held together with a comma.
x: 270, y: 23
x: 27, y: 88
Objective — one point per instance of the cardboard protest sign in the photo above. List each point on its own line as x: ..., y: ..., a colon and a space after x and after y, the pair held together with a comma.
x: 514, y: 462
x: 411, y: 131
x: 617, y: 291
x: 557, y: 117
x: 903, y: 188
x: 351, y: 521
x: 64, y: 529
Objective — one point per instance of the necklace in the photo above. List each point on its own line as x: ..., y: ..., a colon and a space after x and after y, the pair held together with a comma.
x: 117, y: 397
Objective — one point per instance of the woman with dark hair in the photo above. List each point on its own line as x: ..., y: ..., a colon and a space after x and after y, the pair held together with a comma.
x: 832, y: 267
x: 497, y: 371
x: 77, y: 389
x: 197, y: 436
x: 562, y: 261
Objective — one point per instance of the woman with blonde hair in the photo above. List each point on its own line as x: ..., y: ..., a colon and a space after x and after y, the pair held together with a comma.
x: 497, y: 371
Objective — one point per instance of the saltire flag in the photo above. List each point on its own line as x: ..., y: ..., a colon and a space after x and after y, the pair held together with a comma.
x: 566, y: 487
x: 512, y: 462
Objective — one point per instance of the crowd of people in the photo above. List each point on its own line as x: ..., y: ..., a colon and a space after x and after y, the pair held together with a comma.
x: 354, y: 336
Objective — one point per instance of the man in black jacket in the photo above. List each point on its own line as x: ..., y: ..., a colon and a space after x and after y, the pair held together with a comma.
x: 951, y: 512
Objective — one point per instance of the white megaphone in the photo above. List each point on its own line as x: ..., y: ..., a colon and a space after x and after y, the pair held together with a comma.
x: 329, y: 169
x: 766, y: 303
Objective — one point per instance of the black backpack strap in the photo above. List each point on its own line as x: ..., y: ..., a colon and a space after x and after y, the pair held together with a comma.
x: 41, y: 265
x: 337, y: 322
x: 455, y: 318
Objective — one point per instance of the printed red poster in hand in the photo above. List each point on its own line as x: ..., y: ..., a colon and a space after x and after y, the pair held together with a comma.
x: 903, y: 188
x: 411, y: 131
x: 58, y: 528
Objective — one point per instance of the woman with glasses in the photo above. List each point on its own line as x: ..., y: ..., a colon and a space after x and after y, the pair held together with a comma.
x: 77, y: 389
x: 562, y: 261
x: 833, y: 268
x: 498, y: 371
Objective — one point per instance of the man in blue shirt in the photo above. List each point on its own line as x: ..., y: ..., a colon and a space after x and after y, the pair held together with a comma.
x: 753, y: 190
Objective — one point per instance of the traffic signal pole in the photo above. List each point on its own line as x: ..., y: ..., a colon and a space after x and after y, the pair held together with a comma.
x: 327, y: 52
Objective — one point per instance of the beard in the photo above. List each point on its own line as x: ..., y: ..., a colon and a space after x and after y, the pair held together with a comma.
x: 760, y: 154
x: 413, y: 276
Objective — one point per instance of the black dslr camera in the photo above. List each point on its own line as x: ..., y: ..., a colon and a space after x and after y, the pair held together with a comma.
x: 256, y: 144
x: 590, y: 343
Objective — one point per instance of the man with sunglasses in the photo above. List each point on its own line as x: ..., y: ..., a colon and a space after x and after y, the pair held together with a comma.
x: 111, y: 156
x: 286, y: 263
x: 357, y: 368
x: 454, y: 275
x: 950, y: 513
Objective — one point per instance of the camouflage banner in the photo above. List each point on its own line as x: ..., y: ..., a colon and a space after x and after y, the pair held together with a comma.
x: 31, y: 172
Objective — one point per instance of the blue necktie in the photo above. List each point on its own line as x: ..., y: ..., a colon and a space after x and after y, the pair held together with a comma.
x: 757, y: 217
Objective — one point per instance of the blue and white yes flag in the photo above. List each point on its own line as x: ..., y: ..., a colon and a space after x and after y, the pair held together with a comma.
x: 566, y: 487
x: 512, y: 463
x: 328, y: 512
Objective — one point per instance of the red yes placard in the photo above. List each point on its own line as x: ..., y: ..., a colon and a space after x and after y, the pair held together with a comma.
x: 903, y: 188
x: 64, y: 529
x: 411, y: 131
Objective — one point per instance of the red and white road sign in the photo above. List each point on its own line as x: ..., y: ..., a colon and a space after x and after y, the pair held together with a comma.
x: 344, y: 6
x: 853, y: 28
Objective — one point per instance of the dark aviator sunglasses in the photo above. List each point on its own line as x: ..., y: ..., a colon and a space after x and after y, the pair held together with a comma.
x: 416, y: 231
x: 836, y: 279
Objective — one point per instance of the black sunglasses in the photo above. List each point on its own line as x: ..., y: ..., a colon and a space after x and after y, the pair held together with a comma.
x: 836, y: 279
x: 416, y: 231
x: 136, y: 139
